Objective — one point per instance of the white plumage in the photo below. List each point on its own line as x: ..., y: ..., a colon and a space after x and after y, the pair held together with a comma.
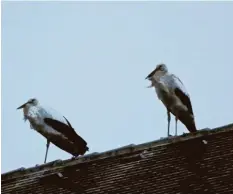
x: 54, y: 127
x: 36, y: 114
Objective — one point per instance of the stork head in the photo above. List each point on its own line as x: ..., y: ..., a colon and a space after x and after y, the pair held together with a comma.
x: 160, y: 70
x: 30, y: 102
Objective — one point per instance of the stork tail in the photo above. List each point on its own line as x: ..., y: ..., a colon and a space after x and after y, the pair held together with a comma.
x: 190, y: 125
x: 188, y: 121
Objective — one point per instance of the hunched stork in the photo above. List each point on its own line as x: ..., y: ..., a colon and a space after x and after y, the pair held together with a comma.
x: 171, y: 91
x: 54, y: 127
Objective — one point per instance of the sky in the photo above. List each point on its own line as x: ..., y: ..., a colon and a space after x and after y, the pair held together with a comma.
x: 89, y: 60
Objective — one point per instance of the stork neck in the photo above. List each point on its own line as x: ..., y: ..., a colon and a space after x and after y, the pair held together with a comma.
x: 158, y: 75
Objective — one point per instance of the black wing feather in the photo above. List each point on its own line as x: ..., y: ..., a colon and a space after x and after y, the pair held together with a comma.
x: 184, y: 99
x: 68, y: 122
x: 67, y: 131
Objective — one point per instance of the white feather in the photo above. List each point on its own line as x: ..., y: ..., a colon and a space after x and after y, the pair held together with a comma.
x: 36, y: 115
x: 172, y: 82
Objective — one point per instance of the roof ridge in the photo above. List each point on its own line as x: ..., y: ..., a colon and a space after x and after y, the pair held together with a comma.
x: 115, y: 152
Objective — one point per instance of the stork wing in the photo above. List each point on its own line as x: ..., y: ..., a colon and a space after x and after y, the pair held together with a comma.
x: 184, y: 99
x: 181, y: 93
x: 68, y: 122
x: 68, y: 131
x: 175, y: 84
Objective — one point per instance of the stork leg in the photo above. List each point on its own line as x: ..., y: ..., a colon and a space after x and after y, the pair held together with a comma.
x: 176, y: 127
x: 168, y: 123
x: 47, y: 148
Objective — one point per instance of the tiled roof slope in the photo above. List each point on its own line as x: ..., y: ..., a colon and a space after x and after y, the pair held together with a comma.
x: 179, y: 165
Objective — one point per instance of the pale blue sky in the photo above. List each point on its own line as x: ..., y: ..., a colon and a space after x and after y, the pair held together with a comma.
x: 89, y: 62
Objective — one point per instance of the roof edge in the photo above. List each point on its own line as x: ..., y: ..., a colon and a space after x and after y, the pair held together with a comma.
x: 115, y: 152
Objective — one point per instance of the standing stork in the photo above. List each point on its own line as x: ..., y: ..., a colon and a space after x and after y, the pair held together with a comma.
x: 55, y: 128
x: 171, y: 91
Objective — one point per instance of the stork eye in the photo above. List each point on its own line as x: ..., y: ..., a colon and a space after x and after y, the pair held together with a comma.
x: 32, y: 101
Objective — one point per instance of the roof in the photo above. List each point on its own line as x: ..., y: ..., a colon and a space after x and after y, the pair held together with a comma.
x: 178, y: 165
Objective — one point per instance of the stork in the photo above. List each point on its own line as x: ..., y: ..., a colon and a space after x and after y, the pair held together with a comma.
x: 171, y: 91
x: 55, y: 128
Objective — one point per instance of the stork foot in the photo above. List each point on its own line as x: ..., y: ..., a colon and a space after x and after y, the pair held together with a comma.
x: 185, y: 134
x: 170, y: 136
x: 74, y: 157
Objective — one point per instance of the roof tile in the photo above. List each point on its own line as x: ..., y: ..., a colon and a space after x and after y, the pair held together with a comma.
x: 180, y: 165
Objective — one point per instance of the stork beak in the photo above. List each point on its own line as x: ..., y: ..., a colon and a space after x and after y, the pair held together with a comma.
x: 22, y: 106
